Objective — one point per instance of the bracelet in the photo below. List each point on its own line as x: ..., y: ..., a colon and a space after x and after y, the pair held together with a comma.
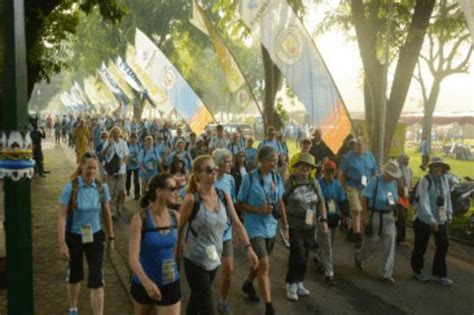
x: 324, y: 220
x: 111, y: 238
x: 247, y: 246
x: 287, y: 226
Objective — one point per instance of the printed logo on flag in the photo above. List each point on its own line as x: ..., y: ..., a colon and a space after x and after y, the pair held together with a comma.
x: 289, y: 45
x: 168, y: 78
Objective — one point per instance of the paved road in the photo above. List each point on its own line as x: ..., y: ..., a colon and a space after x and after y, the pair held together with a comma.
x: 357, y: 292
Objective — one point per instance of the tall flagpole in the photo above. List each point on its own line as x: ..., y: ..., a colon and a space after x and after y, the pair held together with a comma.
x: 383, y: 109
x: 16, y: 165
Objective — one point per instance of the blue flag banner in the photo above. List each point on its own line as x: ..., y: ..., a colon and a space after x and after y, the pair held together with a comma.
x: 132, y: 79
x: 111, y: 84
x: 292, y: 49
x: 166, y: 76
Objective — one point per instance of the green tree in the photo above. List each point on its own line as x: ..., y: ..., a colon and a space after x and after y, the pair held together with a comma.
x: 448, y: 39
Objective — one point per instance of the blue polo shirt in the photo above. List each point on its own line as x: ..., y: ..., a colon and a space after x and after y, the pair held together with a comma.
x: 355, y: 166
x: 150, y: 161
x: 88, y: 208
x: 227, y: 184
x: 133, y: 152
x: 377, y: 191
x: 251, y: 157
x: 253, y: 193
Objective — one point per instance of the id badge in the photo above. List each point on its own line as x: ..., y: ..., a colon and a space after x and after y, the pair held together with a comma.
x: 150, y: 165
x: 391, y: 200
x: 331, y: 206
x: 86, y: 234
x: 405, y: 191
x: 211, y: 252
x: 168, y: 271
x: 443, y: 216
x: 309, y: 217
x: 363, y: 180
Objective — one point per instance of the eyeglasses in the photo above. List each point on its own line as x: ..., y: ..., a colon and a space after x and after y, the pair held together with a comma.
x: 209, y: 170
x: 173, y: 188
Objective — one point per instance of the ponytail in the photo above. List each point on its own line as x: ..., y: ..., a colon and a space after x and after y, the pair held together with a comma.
x: 76, y: 173
x: 192, y: 186
x: 146, y: 199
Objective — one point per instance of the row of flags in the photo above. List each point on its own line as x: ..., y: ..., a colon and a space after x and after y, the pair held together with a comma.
x: 147, y: 73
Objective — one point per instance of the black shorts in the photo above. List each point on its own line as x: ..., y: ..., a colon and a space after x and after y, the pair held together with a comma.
x: 262, y: 247
x: 94, y: 255
x: 170, y: 294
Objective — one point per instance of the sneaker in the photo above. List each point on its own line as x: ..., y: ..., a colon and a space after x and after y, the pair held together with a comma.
x: 292, y: 292
x: 422, y: 277
x: 329, y: 280
x: 357, y: 262
x: 302, y: 291
x: 73, y: 312
x: 248, y: 289
x: 387, y: 280
x: 223, y: 307
x: 445, y: 282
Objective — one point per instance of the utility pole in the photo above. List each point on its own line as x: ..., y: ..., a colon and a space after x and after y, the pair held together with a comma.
x: 16, y: 164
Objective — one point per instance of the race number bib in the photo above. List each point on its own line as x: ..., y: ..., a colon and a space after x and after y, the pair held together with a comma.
x: 391, y: 200
x: 443, y: 216
x: 363, y: 180
x: 150, y: 165
x: 309, y: 217
x: 211, y: 253
x: 331, y: 206
x: 86, y: 234
x: 168, y: 271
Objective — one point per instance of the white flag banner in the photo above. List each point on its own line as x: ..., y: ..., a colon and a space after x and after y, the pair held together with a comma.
x: 468, y: 8
x: 292, y: 49
x: 128, y: 74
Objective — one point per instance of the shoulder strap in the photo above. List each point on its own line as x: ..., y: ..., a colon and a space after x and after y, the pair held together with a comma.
x: 221, y: 196
x: 194, y: 212
x: 375, y: 192
x: 73, y: 200
x: 250, y: 185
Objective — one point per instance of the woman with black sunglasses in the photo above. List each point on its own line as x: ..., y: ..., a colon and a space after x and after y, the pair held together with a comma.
x: 205, y: 211
x: 152, y: 241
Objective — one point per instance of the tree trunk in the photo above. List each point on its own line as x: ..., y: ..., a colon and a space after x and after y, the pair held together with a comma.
x: 272, y: 84
x: 138, y: 106
x: 408, y: 56
x: 429, y: 107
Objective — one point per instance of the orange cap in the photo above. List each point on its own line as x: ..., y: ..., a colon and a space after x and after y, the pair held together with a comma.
x: 329, y: 165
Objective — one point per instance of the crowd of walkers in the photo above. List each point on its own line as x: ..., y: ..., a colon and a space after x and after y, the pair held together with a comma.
x: 201, y: 195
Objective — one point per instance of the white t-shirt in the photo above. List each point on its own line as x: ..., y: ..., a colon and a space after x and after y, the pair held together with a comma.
x: 121, y: 149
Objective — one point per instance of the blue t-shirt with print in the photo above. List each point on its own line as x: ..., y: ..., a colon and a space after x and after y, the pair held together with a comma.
x: 379, y: 189
x: 355, y: 166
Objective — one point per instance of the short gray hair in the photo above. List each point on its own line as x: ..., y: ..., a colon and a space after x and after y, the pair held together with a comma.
x: 219, y: 156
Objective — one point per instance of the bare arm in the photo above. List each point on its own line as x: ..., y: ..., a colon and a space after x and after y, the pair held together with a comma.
x: 185, y: 213
x: 245, y: 207
x: 62, y: 216
x: 134, y: 240
x: 109, y: 225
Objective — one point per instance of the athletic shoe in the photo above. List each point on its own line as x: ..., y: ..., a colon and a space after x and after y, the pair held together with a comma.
x: 223, y: 307
x: 358, y: 240
x: 357, y: 262
x: 292, y: 292
x: 302, y: 291
x: 248, y: 289
x: 445, y: 282
x: 73, y: 312
x: 329, y: 280
x: 269, y: 310
x: 387, y: 280
x: 422, y: 277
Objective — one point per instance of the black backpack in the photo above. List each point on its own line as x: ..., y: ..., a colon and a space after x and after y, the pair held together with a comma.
x: 197, y: 206
x: 413, y: 197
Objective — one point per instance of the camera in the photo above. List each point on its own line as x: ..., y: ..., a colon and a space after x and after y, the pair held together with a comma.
x: 276, y: 212
x: 440, y: 201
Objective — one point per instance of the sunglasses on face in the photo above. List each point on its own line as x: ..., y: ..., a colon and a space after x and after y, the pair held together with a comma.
x: 90, y: 155
x: 172, y: 188
x: 209, y: 170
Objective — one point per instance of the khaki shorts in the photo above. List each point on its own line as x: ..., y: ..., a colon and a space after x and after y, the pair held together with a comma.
x: 228, y: 249
x: 262, y: 247
x: 354, y: 196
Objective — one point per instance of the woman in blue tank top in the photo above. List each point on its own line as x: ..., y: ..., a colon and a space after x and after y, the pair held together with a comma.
x: 152, y: 242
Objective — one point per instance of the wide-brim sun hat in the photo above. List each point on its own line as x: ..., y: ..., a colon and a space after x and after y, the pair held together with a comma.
x: 436, y: 160
x: 305, y: 158
x: 391, y: 168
